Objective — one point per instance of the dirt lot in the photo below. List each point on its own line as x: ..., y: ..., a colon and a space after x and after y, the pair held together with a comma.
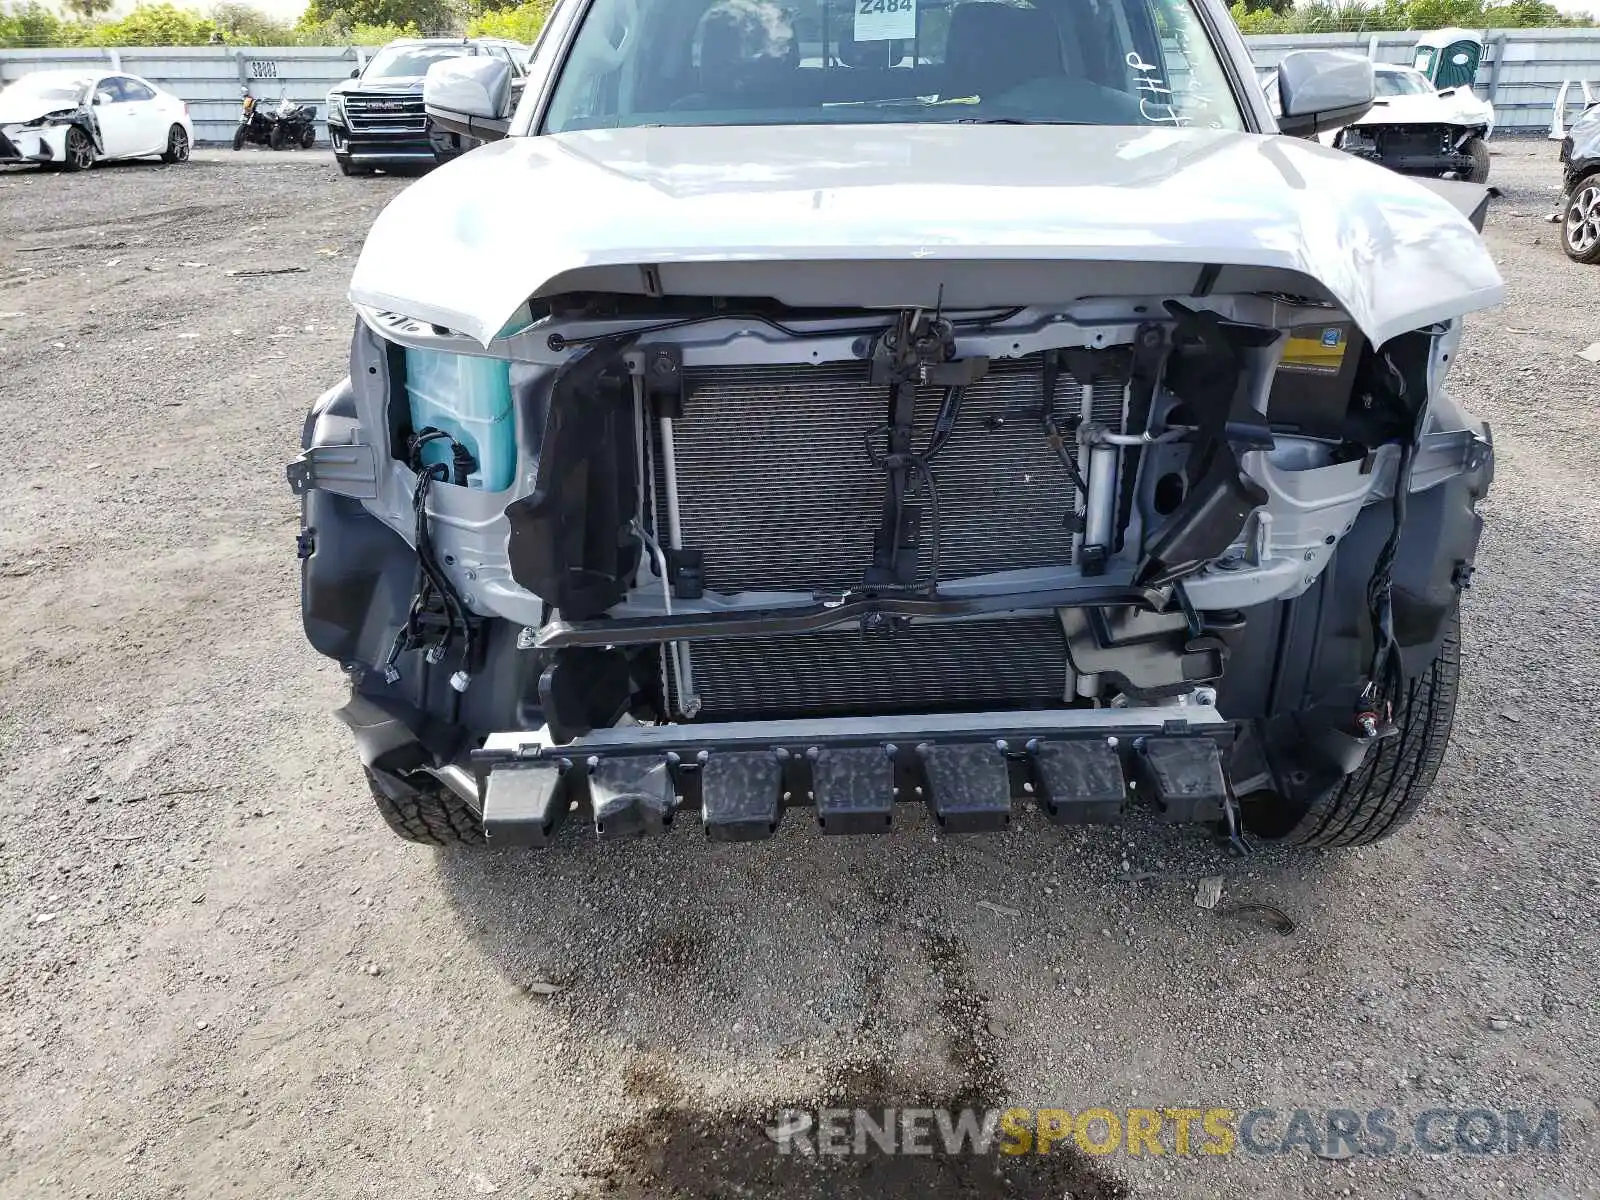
x: 220, y: 976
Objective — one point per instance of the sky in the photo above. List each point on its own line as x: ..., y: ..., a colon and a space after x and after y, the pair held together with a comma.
x: 289, y: 10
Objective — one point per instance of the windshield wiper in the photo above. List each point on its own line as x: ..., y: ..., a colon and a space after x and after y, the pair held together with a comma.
x: 898, y: 102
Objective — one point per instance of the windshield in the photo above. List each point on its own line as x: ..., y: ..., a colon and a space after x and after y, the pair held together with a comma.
x: 398, y: 62
x: 51, y: 88
x: 1400, y: 83
x: 762, y: 62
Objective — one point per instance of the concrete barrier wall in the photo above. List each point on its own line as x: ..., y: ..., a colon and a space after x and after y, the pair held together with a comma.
x: 1522, y: 71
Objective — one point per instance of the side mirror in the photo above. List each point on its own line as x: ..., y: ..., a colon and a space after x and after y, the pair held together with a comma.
x: 1322, y: 89
x: 356, y: 74
x: 470, y: 96
x: 102, y: 98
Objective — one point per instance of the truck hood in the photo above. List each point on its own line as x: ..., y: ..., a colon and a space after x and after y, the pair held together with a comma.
x: 465, y: 246
x: 389, y: 85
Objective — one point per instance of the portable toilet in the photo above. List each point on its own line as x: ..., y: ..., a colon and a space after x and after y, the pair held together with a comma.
x: 1449, y: 57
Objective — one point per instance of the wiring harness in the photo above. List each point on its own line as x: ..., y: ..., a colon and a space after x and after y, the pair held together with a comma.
x: 1386, y: 675
x: 437, y: 614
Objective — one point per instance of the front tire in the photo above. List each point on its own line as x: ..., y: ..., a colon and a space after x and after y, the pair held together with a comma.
x: 275, y: 138
x: 238, y: 138
x: 1479, y: 149
x: 1386, y: 791
x: 1580, y: 222
x: 421, y: 809
x: 308, y: 137
x: 346, y: 167
x: 80, y: 151
x: 177, y: 150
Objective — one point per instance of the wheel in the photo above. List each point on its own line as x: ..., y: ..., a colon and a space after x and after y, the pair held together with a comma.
x: 1479, y: 149
x: 346, y: 167
x: 238, y: 138
x: 1580, y: 225
x: 1386, y: 791
x: 275, y: 138
x: 177, y: 146
x: 80, y: 151
x: 308, y: 137
x: 421, y: 809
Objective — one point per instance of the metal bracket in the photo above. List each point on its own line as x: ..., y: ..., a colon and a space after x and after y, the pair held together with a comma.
x: 343, y: 470
x: 660, y: 365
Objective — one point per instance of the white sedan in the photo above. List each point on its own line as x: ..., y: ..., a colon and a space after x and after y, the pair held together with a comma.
x: 71, y: 119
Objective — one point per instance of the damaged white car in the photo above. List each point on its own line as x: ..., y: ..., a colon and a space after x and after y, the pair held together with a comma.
x: 1414, y: 128
x: 845, y: 408
x: 72, y: 119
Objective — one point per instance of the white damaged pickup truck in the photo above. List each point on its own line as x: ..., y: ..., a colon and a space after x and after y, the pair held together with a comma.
x: 841, y: 407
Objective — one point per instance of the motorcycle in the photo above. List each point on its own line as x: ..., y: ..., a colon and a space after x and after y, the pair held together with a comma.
x: 289, y: 124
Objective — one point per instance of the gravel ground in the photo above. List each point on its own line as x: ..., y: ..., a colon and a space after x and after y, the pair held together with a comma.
x: 219, y: 974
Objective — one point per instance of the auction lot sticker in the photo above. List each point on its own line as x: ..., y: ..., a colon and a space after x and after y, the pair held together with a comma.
x: 883, y: 20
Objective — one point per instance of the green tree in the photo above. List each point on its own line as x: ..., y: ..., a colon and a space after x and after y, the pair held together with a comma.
x: 88, y: 9
x: 431, y: 16
x: 247, y: 25
x: 519, y: 24
x: 30, y: 24
x: 154, y: 25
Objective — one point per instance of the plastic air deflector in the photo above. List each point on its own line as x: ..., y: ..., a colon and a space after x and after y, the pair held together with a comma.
x: 1183, y: 777
x: 1078, y: 782
x: 853, y: 789
x: 968, y: 786
x: 741, y: 795
x: 631, y: 796
x: 522, y: 805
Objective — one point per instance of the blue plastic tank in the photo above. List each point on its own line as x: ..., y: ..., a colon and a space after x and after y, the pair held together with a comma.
x: 468, y: 397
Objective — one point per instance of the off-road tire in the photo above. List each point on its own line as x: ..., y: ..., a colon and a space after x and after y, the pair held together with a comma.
x: 275, y: 138
x: 177, y: 150
x: 346, y: 167
x: 1387, y: 790
x: 1582, y: 190
x: 421, y: 809
x: 238, y: 138
x: 308, y: 137
x: 1479, y: 149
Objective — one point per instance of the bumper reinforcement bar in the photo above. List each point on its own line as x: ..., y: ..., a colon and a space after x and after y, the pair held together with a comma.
x: 969, y: 771
x: 627, y: 631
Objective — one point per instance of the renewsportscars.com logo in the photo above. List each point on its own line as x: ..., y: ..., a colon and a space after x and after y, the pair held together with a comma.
x: 1179, y: 1131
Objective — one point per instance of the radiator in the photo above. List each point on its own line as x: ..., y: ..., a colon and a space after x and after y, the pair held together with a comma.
x: 777, y: 492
